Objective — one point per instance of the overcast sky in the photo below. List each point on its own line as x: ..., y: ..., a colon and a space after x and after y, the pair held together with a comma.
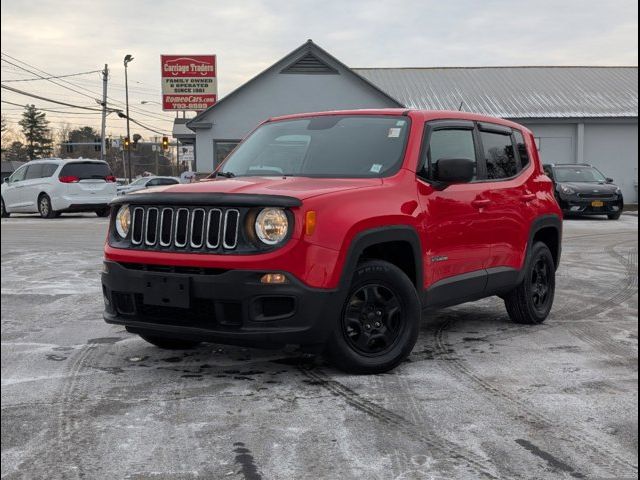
x: 63, y: 37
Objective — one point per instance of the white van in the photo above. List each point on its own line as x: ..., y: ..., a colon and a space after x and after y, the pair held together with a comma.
x: 52, y: 186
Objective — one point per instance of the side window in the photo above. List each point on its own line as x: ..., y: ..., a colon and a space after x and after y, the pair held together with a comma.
x: 449, y: 143
x: 522, y: 149
x: 18, y: 175
x: 499, y: 155
x: 48, y: 169
x: 167, y: 181
x: 34, y: 171
x: 153, y: 183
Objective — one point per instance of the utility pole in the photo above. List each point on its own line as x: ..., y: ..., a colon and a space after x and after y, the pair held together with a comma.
x: 103, y: 140
x: 128, y: 58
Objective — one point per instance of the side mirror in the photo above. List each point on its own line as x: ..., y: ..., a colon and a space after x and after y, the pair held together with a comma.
x: 6, y: 180
x: 609, y: 180
x: 454, y: 170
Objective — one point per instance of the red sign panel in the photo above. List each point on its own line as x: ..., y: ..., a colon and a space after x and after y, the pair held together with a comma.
x: 189, y: 82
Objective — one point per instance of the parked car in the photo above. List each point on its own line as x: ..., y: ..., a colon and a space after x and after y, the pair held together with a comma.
x: 582, y: 189
x: 146, y: 182
x: 334, y: 231
x: 53, y: 186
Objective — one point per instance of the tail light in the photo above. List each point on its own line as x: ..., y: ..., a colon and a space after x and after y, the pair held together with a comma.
x: 69, y: 179
x: 110, y: 178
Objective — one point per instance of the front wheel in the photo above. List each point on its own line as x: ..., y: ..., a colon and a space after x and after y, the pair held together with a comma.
x: 379, y: 322
x: 531, y: 301
x: 5, y: 214
x: 169, y: 343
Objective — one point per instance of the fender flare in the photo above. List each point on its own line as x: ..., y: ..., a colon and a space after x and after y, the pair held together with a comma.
x: 373, y: 236
x: 545, y: 221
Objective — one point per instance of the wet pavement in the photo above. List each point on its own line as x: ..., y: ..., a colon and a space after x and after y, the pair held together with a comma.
x: 479, y: 397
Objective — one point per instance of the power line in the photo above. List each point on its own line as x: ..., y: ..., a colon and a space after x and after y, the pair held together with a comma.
x: 52, y: 77
x: 136, y: 109
x: 44, y: 78
x: 22, y: 92
x: 50, y: 110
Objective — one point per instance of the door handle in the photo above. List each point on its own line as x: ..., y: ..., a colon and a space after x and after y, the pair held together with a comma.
x: 528, y: 197
x: 482, y: 203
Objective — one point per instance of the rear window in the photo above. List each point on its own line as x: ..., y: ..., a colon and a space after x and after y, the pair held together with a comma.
x: 86, y: 170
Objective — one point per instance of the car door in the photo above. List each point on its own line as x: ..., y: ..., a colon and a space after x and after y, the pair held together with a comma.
x: 13, y: 191
x: 453, y: 220
x: 512, y: 194
x: 31, y: 186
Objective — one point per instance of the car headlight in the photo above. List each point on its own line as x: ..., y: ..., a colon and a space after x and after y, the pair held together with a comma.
x: 123, y: 221
x: 567, y: 190
x: 618, y: 191
x: 272, y: 225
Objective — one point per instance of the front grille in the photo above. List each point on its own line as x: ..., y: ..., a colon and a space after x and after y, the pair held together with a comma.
x: 599, y: 196
x: 188, y: 229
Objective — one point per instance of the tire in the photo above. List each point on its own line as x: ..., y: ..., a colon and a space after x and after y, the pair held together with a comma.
x: 615, y: 216
x: 379, y: 321
x: 169, y: 343
x: 103, y: 212
x: 5, y: 214
x: 531, y: 301
x: 45, y: 208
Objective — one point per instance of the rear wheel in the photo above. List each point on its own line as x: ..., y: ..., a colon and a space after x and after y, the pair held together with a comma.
x: 5, y: 214
x: 45, y: 208
x: 531, y: 301
x: 379, y: 322
x: 103, y: 212
x: 169, y: 343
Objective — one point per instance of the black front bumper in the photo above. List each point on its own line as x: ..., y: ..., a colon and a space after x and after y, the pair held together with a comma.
x: 579, y: 206
x: 221, y: 306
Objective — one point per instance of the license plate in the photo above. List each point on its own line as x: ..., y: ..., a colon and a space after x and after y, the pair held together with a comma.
x: 597, y: 203
x: 166, y: 291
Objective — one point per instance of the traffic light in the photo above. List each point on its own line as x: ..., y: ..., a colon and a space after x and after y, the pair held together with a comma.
x: 165, y: 143
x: 68, y: 147
x: 127, y: 143
x: 97, y: 144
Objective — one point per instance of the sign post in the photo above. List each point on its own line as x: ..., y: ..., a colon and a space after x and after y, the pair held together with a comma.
x: 189, y: 82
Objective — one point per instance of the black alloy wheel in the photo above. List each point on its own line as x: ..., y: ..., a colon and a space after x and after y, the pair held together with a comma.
x: 372, y: 319
x: 379, y: 321
x: 531, y: 301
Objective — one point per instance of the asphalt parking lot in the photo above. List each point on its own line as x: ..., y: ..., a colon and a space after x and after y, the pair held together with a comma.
x: 479, y: 397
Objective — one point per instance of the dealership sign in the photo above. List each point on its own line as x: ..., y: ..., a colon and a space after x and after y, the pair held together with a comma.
x: 189, y: 82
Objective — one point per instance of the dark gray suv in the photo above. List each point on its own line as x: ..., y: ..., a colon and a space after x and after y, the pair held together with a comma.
x: 582, y: 189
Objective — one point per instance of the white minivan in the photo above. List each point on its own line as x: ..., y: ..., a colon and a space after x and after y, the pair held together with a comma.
x: 52, y: 186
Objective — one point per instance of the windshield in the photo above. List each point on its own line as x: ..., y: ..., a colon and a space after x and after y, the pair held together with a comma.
x: 579, y: 174
x: 324, y: 146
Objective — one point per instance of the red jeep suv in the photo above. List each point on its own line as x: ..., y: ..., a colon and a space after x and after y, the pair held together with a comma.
x: 334, y: 231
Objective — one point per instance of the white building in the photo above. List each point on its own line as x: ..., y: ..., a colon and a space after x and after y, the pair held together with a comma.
x: 578, y: 114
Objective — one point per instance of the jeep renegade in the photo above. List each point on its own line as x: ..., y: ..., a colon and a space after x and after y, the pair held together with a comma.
x: 334, y: 231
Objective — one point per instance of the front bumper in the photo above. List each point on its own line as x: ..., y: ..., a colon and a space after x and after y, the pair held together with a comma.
x: 580, y: 206
x: 215, y: 305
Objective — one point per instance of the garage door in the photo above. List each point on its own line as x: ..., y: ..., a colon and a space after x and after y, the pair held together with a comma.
x: 556, y: 149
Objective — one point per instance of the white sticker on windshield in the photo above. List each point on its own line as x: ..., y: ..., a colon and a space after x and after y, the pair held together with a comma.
x: 400, y: 123
x: 394, y: 132
x: 376, y: 167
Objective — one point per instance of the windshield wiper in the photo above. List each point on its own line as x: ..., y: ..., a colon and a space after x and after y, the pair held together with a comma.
x: 225, y: 174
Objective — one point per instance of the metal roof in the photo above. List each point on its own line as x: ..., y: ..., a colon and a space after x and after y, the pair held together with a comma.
x: 514, y: 92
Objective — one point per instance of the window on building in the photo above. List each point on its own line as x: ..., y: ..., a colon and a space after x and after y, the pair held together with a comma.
x: 522, y: 148
x: 222, y: 148
x: 449, y: 143
x: 499, y: 155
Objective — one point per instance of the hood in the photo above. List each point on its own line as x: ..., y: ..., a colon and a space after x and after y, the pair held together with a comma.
x: 297, y: 187
x: 588, y: 187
